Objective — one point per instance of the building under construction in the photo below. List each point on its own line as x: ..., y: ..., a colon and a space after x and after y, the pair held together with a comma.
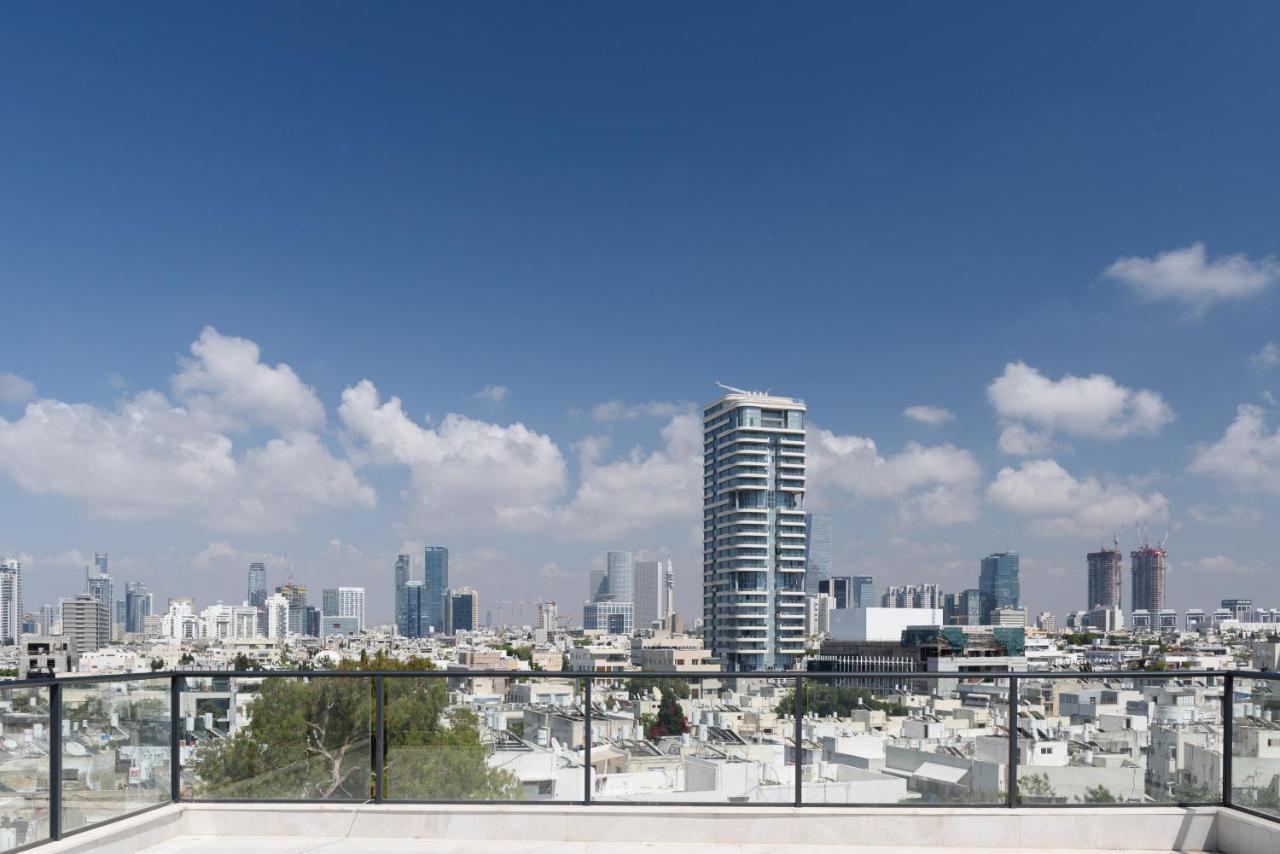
x: 1148, y: 567
x: 1104, y: 579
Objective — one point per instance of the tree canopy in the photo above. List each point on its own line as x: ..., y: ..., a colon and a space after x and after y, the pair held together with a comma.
x: 312, y: 739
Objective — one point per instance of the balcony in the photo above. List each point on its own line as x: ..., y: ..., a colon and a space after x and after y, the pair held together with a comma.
x: 519, y: 761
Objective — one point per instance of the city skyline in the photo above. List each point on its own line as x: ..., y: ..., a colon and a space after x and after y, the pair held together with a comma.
x: 1023, y: 312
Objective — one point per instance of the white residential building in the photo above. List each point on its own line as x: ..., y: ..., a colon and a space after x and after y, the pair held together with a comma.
x: 754, y: 531
x: 277, y: 608
x: 10, y: 602
x: 351, y: 604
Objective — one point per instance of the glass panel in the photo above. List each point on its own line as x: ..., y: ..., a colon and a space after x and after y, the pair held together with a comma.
x: 1138, y: 739
x: 1255, y: 745
x: 913, y: 740
x: 24, y: 766
x: 115, y: 749
x: 465, y: 738
x: 277, y: 737
x: 693, y: 739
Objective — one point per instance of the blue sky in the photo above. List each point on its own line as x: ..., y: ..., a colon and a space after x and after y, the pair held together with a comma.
x: 870, y: 207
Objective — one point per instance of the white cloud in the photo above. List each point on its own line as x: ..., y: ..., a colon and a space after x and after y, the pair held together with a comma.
x: 1186, y: 275
x: 929, y: 483
x: 493, y: 393
x: 1032, y: 408
x: 227, y: 384
x: 15, y: 389
x: 465, y: 471
x: 152, y: 458
x: 639, y: 491
x: 1247, y: 456
x: 1061, y: 504
x: 1223, y: 565
x: 1017, y: 440
x: 1267, y: 357
x: 617, y: 410
x: 1231, y: 516
x: 929, y: 414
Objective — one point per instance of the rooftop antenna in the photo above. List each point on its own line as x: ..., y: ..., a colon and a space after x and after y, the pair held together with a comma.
x: 731, y: 388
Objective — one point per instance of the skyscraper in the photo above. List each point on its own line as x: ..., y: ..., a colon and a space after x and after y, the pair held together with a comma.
x: 351, y: 604
x: 864, y: 592
x: 620, y: 570
x: 597, y: 585
x: 257, y: 585
x: 137, y: 606
x: 463, y: 610
x: 1104, y: 579
x: 415, y: 610
x: 296, y: 595
x: 647, y: 592
x: 435, y: 580
x: 668, y: 592
x: 403, y: 566
x: 753, y: 529
x: 817, y: 550
x: 98, y: 584
x: 10, y: 601
x: 1148, y: 567
x: 998, y: 584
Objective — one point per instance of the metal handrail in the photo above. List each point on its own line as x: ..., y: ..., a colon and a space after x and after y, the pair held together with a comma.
x: 796, y: 679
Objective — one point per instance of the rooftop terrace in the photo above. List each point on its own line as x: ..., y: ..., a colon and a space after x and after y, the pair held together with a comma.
x: 387, y: 761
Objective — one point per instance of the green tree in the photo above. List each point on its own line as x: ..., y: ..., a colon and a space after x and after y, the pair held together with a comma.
x: 157, y: 664
x: 1034, y: 788
x: 1193, y: 793
x: 841, y: 700
x: 312, y: 740
x: 1099, y: 795
x: 670, y: 719
x: 642, y: 685
x: 187, y: 658
x: 243, y: 663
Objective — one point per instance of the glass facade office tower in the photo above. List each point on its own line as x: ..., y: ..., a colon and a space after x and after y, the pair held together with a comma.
x: 998, y: 584
x: 137, y: 607
x: 463, y: 610
x: 617, y: 618
x: 258, y: 585
x: 648, y: 593
x: 840, y: 589
x: 415, y: 608
x: 1148, y: 567
x: 817, y: 550
x: 435, y: 580
x: 864, y: 592
x: 619, y: 569
x: 1104, y: 579
x: 403, y: 563
x: 753, y: 553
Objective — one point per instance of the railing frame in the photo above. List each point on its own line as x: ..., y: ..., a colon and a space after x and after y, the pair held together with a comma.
x: 177, y: 684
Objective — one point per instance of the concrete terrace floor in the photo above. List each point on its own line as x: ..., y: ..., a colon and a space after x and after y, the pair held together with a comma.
x: 355, y: 845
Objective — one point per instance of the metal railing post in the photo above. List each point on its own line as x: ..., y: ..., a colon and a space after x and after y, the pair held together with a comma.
x: 55, y: 761
x: 1011, y: 771
x: 379, y: 736
x: 175, y: 735
x: 586, y: 741
x: 796, y: 711
x: 1228, y: 737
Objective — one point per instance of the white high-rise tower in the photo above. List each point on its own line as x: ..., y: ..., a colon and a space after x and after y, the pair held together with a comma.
x: 753, y: 563
x: 10, y: 601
